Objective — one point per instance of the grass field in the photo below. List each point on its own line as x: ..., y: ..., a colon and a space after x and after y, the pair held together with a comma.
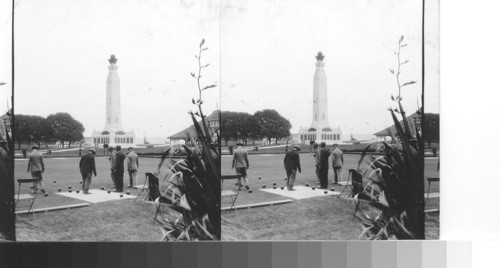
x: 270, y: 168
x: 320, y: 218
x: 119, y: 220
x: 107, y: 221
x: 65, y: 172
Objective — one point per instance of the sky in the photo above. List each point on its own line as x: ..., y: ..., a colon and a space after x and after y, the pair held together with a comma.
x: 268, y: 59
x: 261, y: 53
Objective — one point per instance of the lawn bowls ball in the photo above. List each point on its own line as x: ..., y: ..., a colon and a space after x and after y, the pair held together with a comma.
x: 69, y: 188
x: 314, y: 188
x: 77, y: 191
x: 274, y: 187
x: 80, y: 182
x: 235, y: 183
x: 308, y: 185
x: 260, y: 178
x: 70, y: 191
x: 102, y: 187
x: 325, y: 192
x: 109, y: 192
x: 250, y: 191
x: 264, y: 186
x: 54, y: 181
x: 282, y: 187
x: 46, y: 194
x: 274, y: 183
x: 121, y: 195
x: 333, y: 189
x: 59, y: 189
x: 128, y: 192
x: 285, y: 179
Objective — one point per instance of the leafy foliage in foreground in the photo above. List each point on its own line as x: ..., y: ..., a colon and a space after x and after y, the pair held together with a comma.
x: 397, y: 178
x: 192, y: 197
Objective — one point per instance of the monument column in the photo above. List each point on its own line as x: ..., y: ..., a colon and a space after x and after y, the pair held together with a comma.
x: 320, y: 96
x: 113, y: 107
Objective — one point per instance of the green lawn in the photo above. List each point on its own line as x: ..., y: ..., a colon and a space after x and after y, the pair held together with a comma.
x: 105, y: 221
x: 65, y: 172
x: 270, y: 168
x: 322, y: 218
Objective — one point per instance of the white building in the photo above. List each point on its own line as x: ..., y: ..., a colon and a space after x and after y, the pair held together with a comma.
x: 320, y: 130
x: 113, y: 133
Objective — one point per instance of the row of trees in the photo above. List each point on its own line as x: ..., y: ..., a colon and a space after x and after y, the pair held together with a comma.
x: 35, y: 129
x: 268, y: 124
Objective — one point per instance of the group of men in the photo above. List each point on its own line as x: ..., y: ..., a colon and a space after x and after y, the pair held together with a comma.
x: 87, y: 168
x: 322, y: 155
x: 292, y: 164
x: 117, y: 159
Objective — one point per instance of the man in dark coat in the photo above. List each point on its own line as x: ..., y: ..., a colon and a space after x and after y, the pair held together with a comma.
x: 87, y: 167
x: 292, y: 164
x: 324, y: 154
x: 119, y: 169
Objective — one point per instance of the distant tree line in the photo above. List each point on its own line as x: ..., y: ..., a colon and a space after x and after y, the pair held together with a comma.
x: 266, y: 124
x: 34, y: 129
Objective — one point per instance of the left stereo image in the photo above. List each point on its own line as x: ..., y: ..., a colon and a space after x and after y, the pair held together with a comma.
x: 114, y: 132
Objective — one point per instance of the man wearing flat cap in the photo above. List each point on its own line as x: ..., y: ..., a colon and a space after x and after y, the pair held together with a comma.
x: 112, y: 161
x: 240, y: 163
x: 119, y: 169
x: 132, y: 166
x: 36, y: 167
x: 87, y: 167
x: 324, y: 154
x: 292, y: 164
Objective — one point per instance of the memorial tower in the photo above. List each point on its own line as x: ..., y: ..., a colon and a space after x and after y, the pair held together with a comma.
x: 113, y: 133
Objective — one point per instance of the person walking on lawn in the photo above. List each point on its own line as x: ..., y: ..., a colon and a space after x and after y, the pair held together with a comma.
x: 240, y: 163
x: 112, y: 161
x: 292, y: 164
x: 337, y: 163
x: 36, y: 166
x: 119, y: 169
x: 323, y: 165
x: 87, y: 167
x: 132, y: 166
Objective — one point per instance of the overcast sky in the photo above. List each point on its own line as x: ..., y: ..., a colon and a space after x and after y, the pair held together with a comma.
x: 262, y: 50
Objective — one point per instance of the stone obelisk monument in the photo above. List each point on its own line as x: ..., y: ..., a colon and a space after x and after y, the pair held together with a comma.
x: 320, y: 130
x: 113, y: 133
x: 320, y: 95
x: 113, y: 107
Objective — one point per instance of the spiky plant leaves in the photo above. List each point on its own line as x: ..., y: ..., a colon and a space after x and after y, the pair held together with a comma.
x: 398, y: 176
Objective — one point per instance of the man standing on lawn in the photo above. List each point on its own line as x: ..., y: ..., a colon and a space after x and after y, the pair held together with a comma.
x: 323, y: 165
x: 120, y: 169
x: 317, y: 153
x: 87, y: 167
x: 292, y: 164
x: 36, y: 166
x: 112, y: 161
x: 132, y: 166
x: 240, y: 163
x: 337, y: 163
